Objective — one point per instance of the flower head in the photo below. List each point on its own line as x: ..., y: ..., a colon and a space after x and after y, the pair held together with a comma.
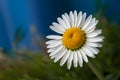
x: 78, y: 39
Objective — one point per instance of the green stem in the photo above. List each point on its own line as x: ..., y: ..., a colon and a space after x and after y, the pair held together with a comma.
x: 96, y: 72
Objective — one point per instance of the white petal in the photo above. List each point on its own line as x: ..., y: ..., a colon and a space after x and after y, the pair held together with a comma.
x: 97, y: 50
x: 54, y: 37
x: 61, y: 51
x: 57, y: 50
x: 58, y: 27
x: 79, y: 19
x: 66, y: 21
x: 83, y: 19
x: 94, y: 33
x: 71, y: 19
x: 75, y: 18
x: 88, y: 52
x: 92, y: 22
x: 91, y: 28
x: 80, y: 61
x: 52, y: 41
x: 65, y: 57
x: 75, y: 59
x: 96, y: 39
x: 83, y: 55
x: 87, y: 22
x: 61, y: 22
x: 55, y: 44
x: 52, y: 49
x: 69, y: 65
x: 67, y: 16
x: 55, y: 30
x: 93, y: 44
x: 93, y: 50
x: 69, y: 62
x: 60, y: 55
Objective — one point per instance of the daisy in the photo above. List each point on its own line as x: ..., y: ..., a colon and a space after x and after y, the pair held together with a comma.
x: 77, y: 41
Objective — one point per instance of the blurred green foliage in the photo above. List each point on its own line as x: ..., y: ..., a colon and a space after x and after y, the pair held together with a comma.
x: 40, y: 67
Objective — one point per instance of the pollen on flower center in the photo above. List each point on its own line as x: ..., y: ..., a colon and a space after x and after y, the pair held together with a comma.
x: 73, y: 38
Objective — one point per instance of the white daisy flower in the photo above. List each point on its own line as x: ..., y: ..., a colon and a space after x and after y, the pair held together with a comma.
x: 77, y: 40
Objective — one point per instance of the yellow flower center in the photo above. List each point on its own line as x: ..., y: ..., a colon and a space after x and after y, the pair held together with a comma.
x: 73, y: 38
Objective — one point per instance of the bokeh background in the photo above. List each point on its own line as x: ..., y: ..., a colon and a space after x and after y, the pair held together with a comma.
x: 24, y: 25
